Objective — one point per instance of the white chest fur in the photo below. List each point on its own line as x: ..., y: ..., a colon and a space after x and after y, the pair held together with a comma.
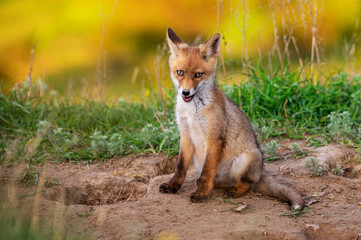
x: 192, y: 122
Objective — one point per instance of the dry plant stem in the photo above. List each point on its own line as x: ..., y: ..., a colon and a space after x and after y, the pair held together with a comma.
x: 85, y: 88
x: 312, y: 57
x: 32, y: 145
x: 219, y: 19
x: 11, y: 151
x: 270, y: 61
x: 319, y: 46
x: 41, y: 88
x: 105, y: 66
x: 156, y: 117
x: 284, y: 108
x: 35, y: 212
x: 131, y: 194
x: 285, y: 42
x: 223, y: 67
x: 51, y: 95
x: 160, y: 91
x: 276, y: 37
x: 99, y: 76
x: 259, y: 46
x: 323, y: 55
x: 298, y: 52
x: 291, y: 37
x: 245, y: 50
x: 314, y: 47
x: 134, y: 76
x: 31, y: 71
x: 219, y: 13
x: 350, y: 50
x: 11, y: 201
x: 30, y: 82
x: 30, y: 149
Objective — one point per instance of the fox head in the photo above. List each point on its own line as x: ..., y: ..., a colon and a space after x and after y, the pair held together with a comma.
x: 192, y: 66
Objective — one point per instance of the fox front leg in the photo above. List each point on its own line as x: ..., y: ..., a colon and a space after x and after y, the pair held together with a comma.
x: 209, y: 171
x: 184, y: 158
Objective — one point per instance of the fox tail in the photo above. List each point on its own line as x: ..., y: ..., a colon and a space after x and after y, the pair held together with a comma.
x: 269, y: 186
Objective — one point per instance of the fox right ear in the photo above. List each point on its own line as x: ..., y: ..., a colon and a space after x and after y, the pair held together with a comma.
x: 211, y: 47
x: 173, y: 41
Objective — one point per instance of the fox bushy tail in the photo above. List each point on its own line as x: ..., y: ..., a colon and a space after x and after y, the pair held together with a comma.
x: 269, y: 186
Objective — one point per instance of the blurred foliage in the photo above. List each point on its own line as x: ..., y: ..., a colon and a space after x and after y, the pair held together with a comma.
x: 69, y: 33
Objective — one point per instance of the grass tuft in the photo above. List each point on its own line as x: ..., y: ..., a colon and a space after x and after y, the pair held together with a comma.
x: 340, y: 124
x: 338, y: 170
x: 294, y: 213
x: 271, y: 147
x: 315, y: 168
x: 297, y: 151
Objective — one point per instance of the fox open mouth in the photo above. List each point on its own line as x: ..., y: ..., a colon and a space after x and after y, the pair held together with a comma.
x: 187, y: 98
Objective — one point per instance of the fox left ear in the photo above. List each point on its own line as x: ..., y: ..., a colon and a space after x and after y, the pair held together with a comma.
x: 173, y: 41
x: 211, y: 47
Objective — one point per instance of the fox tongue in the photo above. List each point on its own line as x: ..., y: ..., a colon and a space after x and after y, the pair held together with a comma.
x: 187, y: 99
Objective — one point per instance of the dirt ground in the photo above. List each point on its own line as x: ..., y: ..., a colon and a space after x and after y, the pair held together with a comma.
x: 119, y: 199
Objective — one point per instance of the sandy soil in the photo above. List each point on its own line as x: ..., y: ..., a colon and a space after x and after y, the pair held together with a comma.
x: 119, y: 199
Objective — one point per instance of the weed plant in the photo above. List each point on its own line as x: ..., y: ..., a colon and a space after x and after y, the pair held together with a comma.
x: 340, y: 124
x: 297, y: 151
x: 270, y: 148
x: 338, y: 170
x: 316, y: 169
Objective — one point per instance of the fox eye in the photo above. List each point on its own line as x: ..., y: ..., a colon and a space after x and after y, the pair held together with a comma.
x: 180, y: 72
x: 198, y: 75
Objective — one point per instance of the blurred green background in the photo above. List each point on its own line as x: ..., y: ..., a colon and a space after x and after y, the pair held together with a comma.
x: 68, y: 35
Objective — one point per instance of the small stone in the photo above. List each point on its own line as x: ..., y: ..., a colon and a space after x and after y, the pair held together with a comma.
x: 313, y: 226
x: 339, y: 190
x: 241, y: 207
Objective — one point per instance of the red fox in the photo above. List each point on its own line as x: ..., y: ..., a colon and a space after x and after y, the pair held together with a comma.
x: 214, y: 132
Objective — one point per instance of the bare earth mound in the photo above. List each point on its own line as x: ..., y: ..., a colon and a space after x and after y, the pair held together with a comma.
x: 119, y: 199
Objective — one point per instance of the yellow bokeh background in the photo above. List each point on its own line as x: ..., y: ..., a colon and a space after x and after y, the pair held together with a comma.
x: 68, y: 34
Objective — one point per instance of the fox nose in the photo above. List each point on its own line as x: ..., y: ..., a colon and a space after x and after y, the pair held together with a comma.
x: 185, y: 92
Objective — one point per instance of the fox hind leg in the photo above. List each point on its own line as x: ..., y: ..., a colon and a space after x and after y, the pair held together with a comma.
x: 237, y: 191
x: 236, y: 176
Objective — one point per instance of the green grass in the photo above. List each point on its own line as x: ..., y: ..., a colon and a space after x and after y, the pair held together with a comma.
x: 294, y: 213
x: 85, y: 130
x: 12, y: 227
x: 306, y: 103
x: 297, y: 151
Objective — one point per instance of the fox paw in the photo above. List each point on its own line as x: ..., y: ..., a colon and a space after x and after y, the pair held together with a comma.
x: 168, y: 188
x: 197, y: 197
x: 230, y: 193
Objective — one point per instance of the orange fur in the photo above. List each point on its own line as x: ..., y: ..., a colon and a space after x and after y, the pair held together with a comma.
x: 215, y: 132
x: 190, y: 58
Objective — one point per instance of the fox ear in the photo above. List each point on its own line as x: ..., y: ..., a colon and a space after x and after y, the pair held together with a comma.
x: 211, y: 47
x: 173, y: 41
